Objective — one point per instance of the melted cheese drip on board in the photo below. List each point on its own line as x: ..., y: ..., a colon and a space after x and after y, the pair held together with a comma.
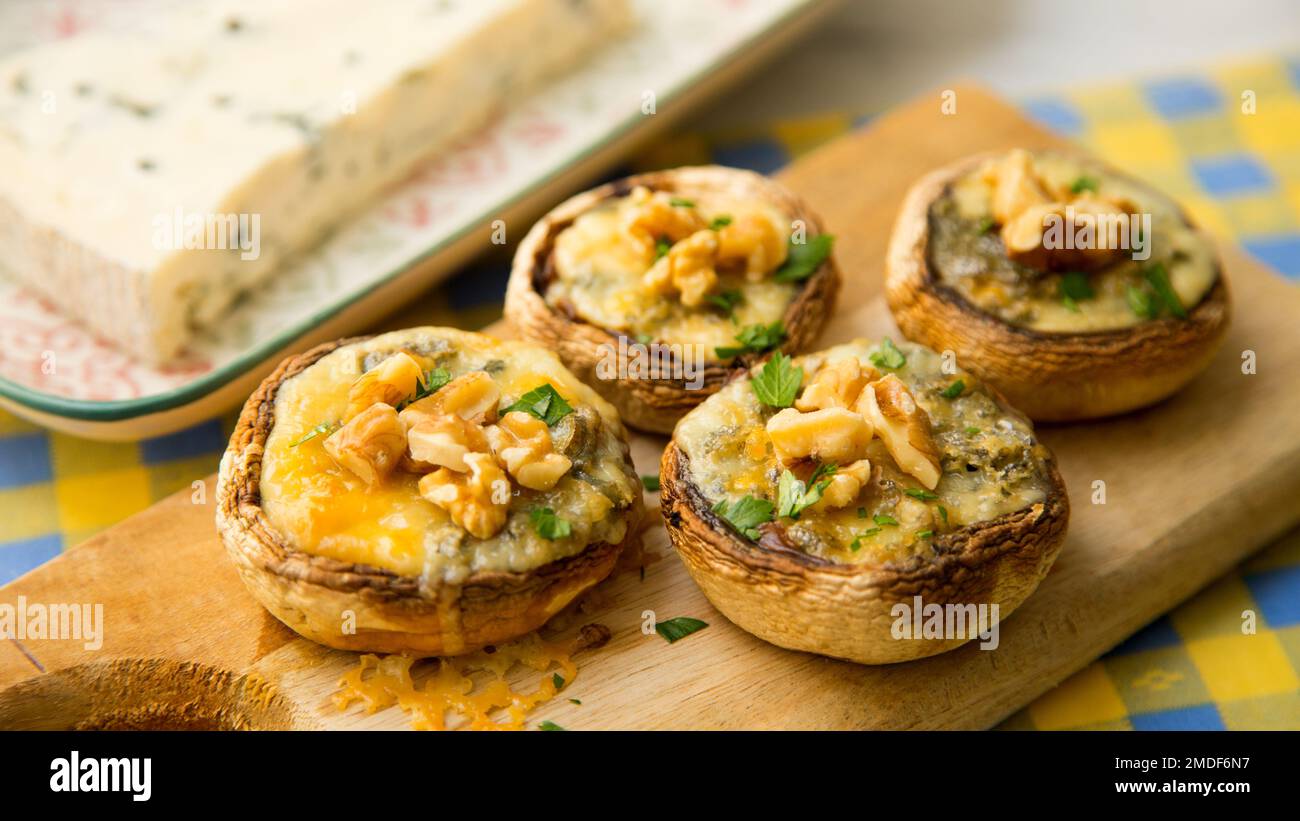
x: 380, y: 683
x: 1187, y: 254
x: 599, y: 270
x: 326, y: 510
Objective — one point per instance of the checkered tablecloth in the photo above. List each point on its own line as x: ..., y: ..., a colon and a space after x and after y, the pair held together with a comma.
x: 1237, y: 172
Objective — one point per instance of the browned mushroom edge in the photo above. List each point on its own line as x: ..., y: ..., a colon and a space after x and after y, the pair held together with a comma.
x: 311, y: 594
x: 655, y: 405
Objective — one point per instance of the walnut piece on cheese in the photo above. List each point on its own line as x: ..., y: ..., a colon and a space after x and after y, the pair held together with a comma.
x: 476, y: 500
x: 391, y: 382
x: 687, y: 268
x: 754, y: 241
x: 836, y: 385
x: 903, y: 426
x: 370, y: 444
x: 443, y: 440
x: 833, y: 435
x: 654, y: 218
x: 846, y: 485
x: 298, y: 119
x: 522, y: 443
x: 473, y: 396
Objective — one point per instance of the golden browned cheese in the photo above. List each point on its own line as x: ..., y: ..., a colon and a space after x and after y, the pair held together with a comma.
x: 931, y: 463
x: 988, y: 241
x: 327, y: 506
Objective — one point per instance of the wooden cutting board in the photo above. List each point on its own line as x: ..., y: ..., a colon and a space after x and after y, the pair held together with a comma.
x: 1192, y: 487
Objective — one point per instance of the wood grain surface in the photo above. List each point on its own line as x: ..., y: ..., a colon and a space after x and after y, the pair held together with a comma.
x: 1192, y: 487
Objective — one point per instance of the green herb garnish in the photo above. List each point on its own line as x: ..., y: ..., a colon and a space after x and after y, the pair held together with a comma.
x: 954, y: 390
x: 1075, y: 287
x: 793, y: 495
x: 681, y: 202
x: 548, y: 525
x: 544, y: 402
x: 924, y: 534
x: 777, y: 382
x: 803, y: 259
x: 550, y: 726
x: 1142, y: 303
x: 1084, y: 183
x: 558, y: 681
x: 662, y: 247
x: 575, y: 701
x: 651, y: 482
x: 755, y: 339
x: 985, y: 225
x: 862, y: 513
x: 679, y: 628
x: 866, y: 534
x: 920, y: 493
x: 1159, y: 280
x: 746, y: 514
x: 943, y: 514
x: 727, y: 301
x: 884, y: 520
x: 432, y: 381
x: 889, y: 356
x: 720, y: 221
x: 322, y: 428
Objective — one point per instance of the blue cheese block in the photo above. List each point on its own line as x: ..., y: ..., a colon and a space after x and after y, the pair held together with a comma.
x: 256, y: 118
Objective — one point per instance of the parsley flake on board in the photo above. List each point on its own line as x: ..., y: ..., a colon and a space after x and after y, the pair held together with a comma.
x: 889, y: 356
x: 550, y: 726
x: 558, y: 681
x: 804, y: 258
x: 777, y: 383
x: 548, y: 525
x: 679, y: 628
x: 544, y: 402
x: 746, y: 514
x: 758, y: 338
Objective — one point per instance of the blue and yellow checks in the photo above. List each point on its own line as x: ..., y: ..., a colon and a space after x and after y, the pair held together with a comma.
x: 1226, y: 144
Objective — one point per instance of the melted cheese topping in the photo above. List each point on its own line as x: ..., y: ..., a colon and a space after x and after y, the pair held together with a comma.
x: 973, y: 260
x: 992, y: 465
x: 380, y: 683
x: 598, y: 275
x: 326, y: 510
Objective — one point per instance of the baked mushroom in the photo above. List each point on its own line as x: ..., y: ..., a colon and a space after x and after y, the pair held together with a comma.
x: 1077, y: 291
x: 427, y: 491
x: 656, y: 288
x: 827, y: 503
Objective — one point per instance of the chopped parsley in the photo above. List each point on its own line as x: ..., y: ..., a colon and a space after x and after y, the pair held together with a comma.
x: 544, y: 402
x: 558, y: 681
x: 719, y: 222
x: 432, y: 381
x: 793, y: 495
x: 548, y: 525
x: 1142, y: 303
x: 322, y: 428
x: 662, y: 247
x: 1074, y: 288
x: 803, y: 259
x: 777, y: 382
x: 862, y: 513
x: 681, y: 202
x: 550, y: 726
x: 679, y: 628
x: 985, y: 225
x: 924, y: 534
x: 754, y: 339
x: 1158, y: 278
x: 1084, y: 183
x: 884, y: 520
x: 651, y: 482
x: 954, y: 390
x: 727, y: 301
x: 575, y: 701
x: 746, y: 514
x: 943, y: 514
x: 889, y: 356
x: 920, y: 493
x: 866, y: 534
x: 972, y: 431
